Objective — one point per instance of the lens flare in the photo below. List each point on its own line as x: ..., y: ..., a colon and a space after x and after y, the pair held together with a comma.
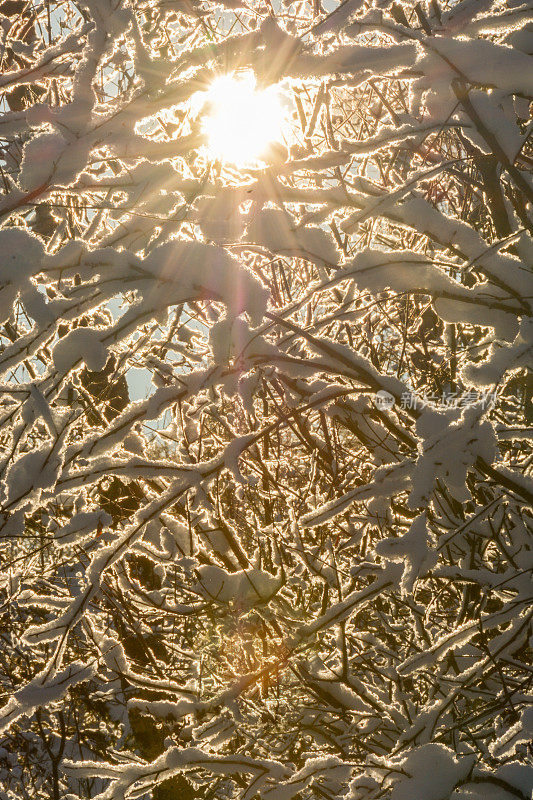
x: 242, y: 121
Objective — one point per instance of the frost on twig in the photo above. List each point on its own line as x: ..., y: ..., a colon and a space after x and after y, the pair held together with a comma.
x: 265, y: 423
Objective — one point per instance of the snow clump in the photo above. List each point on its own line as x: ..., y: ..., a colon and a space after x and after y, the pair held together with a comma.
x: 80, y: 344
x: 21, y: 254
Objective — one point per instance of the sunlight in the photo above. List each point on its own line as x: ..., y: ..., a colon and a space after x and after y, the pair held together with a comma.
x: 242, y: 121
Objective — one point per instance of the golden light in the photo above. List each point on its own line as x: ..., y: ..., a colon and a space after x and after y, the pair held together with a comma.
x: 242, y: 121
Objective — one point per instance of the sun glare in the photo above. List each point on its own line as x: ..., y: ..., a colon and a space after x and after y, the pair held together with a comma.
x: 242, y: 120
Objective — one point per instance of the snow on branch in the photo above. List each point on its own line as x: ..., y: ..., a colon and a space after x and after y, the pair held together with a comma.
x: 266, y: 400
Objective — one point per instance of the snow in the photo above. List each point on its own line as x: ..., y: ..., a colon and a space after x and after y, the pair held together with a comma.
x: 448, y: 449
x: 175, y: 759
x: 521, y: 39
x: 231, y: 339
x: 492, y: 111
x: 33, y: 472
x: 50, y: 159
x: 520, y: 732
x: 175, y: 537
x: 456, y: 639
x: 518, y: 775
x: 350, y: 605
x: 80, y: 344
x: 507, y: 270
x: 411, y: 132
x: 244, y: 588
x: 185, y: 267
x: 505, y: 324
x: 220, y: 218
x: 359, y: 62
x: 330, y: 597
x: 164, y: 708
x: 388, y: 481
x: 233, y: 450
x: 481, y: 62
x: 278, y: 232
x: 433, y: 772
x: 21, y: 254
x: 81, y: 526
x: 328, y: 773
x: 413, y: 548
x: 40, y: 157
x: 401, y: 271
x: 43, y: 690
x: 502, y: 358
x: 114, y: 656
x: 228, y: 339
x: 339, y: 18
x: 462, y: 13
x: 37, y: 407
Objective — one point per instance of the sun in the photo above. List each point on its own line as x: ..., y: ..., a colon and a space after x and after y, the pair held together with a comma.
x: 242, y: 121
